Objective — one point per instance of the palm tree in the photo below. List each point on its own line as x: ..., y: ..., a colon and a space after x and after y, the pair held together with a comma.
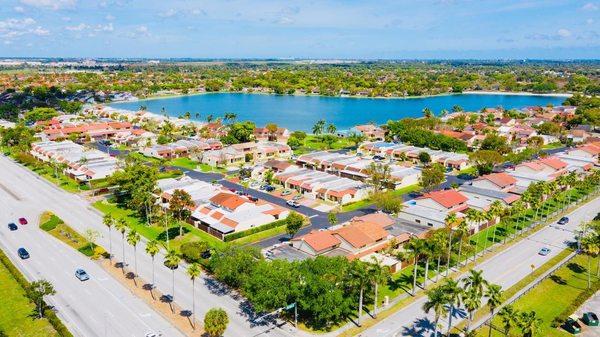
x: 438, y: 245
x: 427, y: 252
x: 172, y: 262
x: 450, y: 220
x: 427, y: 113
x: 453, y: 293
x: 472, y: 301
x: 152, y: 249
x: 518, y: 208
x: 133, y: 238
x: 494, y: 296
x: 529, y: 323
x: 497, y: 210
x: 377, y: 274
x: 412, y: 251
x: 436, y: 301
x: 590, y: 246
x: 109, y: 221
x: 331, y: 128
x: 193, y: 272
x: 462, y: 229
x: 475, y: 281
x: 508, y: 315
x: 318, y: 128
x: 473, y: 216
x: 121, y: 226
x: 359, y: 279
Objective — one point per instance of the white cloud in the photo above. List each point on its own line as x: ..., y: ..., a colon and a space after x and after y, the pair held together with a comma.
x: 109, y: 17
x: 142, y: 29
x: 564, y: 32
x: 39, y: 31
x: 104, y: 28
x: 198, y: 11
x: 51, y: 4
x: 169, y: 13
x: 77, y: 28
x: 590, y: 6
x: 19, y: 9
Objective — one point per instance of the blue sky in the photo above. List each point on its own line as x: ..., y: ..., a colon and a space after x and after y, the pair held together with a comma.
x: 550, y: 29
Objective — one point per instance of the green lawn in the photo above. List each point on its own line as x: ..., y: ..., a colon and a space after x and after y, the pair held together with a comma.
x: 157, y: 231
x: 17, y: 313
x: 552, y: 296
x: 367, y: 202
x: 183, y: 162
x: 552, y: 146
x: 314, y: 143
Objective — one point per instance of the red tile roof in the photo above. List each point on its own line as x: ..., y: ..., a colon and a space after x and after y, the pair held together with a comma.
x: 554, y: 162
x: 500, y: 179
x: 446, y: 198
x: 319, y: 241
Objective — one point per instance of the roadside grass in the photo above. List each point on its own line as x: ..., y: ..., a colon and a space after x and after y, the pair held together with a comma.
x: 315, y: 143
x: 57, y: 228
x: 157, y: 231
x: 17, y: 314
x: 552, y: 146
x: 552, y: 296
x: 60, y: 180
x: 368, y: 202
x: 256, y: 237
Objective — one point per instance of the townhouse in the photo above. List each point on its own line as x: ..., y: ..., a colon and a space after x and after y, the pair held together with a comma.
x: 399, y: 151
x: 94, y: 130
x: 370, y: 131
x: 217, y: 210
x: 431, y: 209
x: 546, y: 169
x: 181, y: 148
x: 281, y: 135
x: 237, y: 154
x: 79, y: 163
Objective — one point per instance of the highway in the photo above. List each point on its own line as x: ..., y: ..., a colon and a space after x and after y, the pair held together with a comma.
x: 100, y: 306
x: 505, y: 268
x: 26, y: 194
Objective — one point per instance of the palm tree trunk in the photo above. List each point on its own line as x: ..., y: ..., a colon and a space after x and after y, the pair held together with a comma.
x: 491, y: 317
x: 589, y: 271
x: 435, y: 328
x: 375, y: 303
x: 460, y: 243
x: 110, y: 245
x: 437, y: 272
x: 414, y: 291
x: 360, y: 305
x: 449, y: 252
x: 426, y: 273
x: 194, y: 304
x: 123, y: 250
x: 135, y: 260
x: 487, y: 232
x: 152, y: 273
x: 173, y: 286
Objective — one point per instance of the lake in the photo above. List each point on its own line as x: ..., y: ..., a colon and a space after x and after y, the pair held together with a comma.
x: 301, y: 112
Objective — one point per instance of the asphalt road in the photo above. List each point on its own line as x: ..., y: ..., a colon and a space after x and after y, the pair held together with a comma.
x: 100, y: 306
x: 505, y: 268
x: 35, y: 195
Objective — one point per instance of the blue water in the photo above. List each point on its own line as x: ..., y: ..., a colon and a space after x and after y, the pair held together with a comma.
x: 301, y: 112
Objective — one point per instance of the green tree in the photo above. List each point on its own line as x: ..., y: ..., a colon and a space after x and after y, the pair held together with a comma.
x: 38, y: 290
x: 485, y: 160
x: 194, y: 272
x: 387, y: 202
x: 180, y: 206
x: 379, y: 176
x: 432, y: 176
x: 172, y: 261
x: 40, y: 114
x: 109, y: 222
x: 495, y: 143
x: 133, y: 238
x: 152, y: 249
x: 529, y: 323
x: 453, y: 293
x: 332, y: 218
x: 121, y: 226
x: 494, y: 295
x: 294, y: 143
x: 293, y: 223
x: 356, y: 138
x: 359, y: 279
x: 427, y: 113
x: 319, y: 127
x: 436, y: 301
x: 424, y: 157
x: 215, y: 322
x: 509, y: 317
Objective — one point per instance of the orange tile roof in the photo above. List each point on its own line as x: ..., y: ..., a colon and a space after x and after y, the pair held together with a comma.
x: 446, y: 198
x: 380, y: 219
x: 228, y: 200
x: 500, y: 179
x: 319, y: 240
x: 554, y: 162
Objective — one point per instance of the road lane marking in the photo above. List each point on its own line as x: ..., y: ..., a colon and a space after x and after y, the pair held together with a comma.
x: 11, y: 193
x: 313, y: 216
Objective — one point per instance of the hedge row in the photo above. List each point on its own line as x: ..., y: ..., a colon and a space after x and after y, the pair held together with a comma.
x: 237, y: 235
x: 577, y: 302
x: 50, y: 315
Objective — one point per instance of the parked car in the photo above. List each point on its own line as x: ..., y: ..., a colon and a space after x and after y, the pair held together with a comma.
x: 269, y: 188
x: 544, y: 251
x: 572, y: 326
x: 253, y: 199
x: 12, y: 226
x: 23, y: 253
x: 292, y: 203
x: 590, y: 319
x: 286, y: 192
x: 297, y: 197
x: 82, y: 275
x: 23, y: 221
x: 563, y: 221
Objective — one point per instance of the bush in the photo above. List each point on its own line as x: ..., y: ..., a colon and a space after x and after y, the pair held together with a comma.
x: 193, y: 251
x: 51, y: 223
x: 237, y: 235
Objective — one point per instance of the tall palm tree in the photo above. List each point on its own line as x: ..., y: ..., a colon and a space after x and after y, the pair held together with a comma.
x: 496, y: 210
x: 121, y: 226
x: 377, y: 274
x: 472, y: 301
x: 109, y: 221
x: 172, y: 262
x: 494, y: 295
x: 508, y: 315
x: 436, y: 301
x: 427, y: 252
x: 450, y: 221
x: 475, y: 281
x: 193, y: 272
x: 518, y: 208
x: 590, y: 245
x: 359, y: 279
x: 453, y: 293
x: 413, y: 249
x: 152, y: 249
x: 133, y: 238
x: 473, y: 216
x: 438, y: 245
x: 462, y: 229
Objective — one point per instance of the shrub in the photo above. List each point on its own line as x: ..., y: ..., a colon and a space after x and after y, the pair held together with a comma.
x: 237, y: 235
x: 51, y: 223
x: 193, y: 251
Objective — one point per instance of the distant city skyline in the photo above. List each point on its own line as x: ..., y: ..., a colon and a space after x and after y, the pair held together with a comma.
x: 434, y: 29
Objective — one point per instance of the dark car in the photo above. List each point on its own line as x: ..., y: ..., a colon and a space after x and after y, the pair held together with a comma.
x: 590, y: 319
x: 23, y: 254
x: 572, y: 326
x: 563, y: 221
x: 12, y: 226
x: 23, y: 221
x: 269, y: 188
